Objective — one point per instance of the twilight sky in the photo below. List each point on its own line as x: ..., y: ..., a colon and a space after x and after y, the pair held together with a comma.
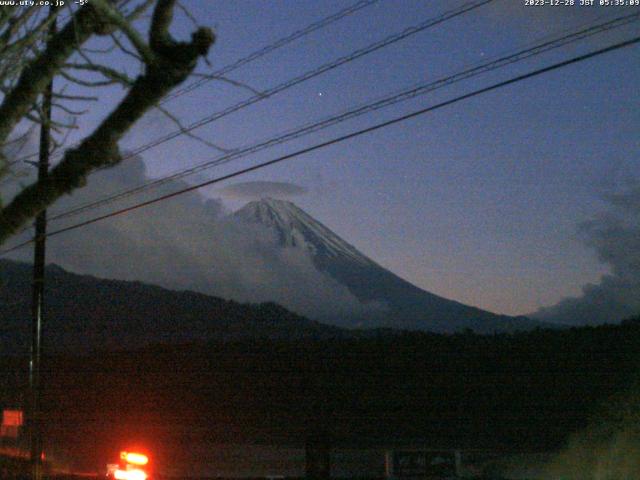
x: 482, y: 201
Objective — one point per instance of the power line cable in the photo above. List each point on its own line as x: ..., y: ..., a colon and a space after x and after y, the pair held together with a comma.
x: 403, y: 95
x: 447, y: 15
x: 450, y: 14
x: 324, y: 22
x: 304, y: 77
x: 272, y: 47
x: 391, y: 39
x: 373, y: 47
x: 385, y: 101
x: 343, y: 138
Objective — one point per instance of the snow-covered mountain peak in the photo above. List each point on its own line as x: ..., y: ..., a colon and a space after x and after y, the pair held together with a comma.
x: 295, y: 228
x: 388, y: 300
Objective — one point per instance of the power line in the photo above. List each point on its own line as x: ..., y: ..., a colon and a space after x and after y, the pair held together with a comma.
x: 407, y: 32
x: 343, y: 138
x: 272, y: 47
x: 304, y: 77
x: 324, y: 22
x: 373, y: 47
x: 386, y: 101
x: 450, y: 14
x: 403, y: 95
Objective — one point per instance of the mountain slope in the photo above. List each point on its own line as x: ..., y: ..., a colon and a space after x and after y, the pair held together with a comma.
x: 407, y: 306
x: 85, y: 313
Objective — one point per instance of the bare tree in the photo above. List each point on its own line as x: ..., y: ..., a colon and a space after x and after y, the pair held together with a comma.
x: 30, y: 57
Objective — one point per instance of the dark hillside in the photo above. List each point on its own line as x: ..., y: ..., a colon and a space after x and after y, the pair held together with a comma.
x: 85, y: 313
x: 525, y: 391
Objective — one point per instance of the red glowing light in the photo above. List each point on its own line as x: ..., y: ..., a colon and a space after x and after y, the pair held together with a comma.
x: 134, y: 458
x: 12, y: 418
x: 134, y: 474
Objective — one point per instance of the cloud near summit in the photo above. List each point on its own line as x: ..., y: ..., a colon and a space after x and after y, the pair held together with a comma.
x: 190, y: 242
x: 260, y: 189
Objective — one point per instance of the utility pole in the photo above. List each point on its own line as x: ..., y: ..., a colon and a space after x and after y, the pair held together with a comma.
x: 36, y: 441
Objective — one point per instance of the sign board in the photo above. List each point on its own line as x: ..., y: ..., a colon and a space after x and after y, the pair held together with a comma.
x: 12, y: 420
x: 422, y: 463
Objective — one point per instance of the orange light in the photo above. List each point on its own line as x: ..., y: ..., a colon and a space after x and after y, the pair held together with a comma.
x: 12, y: 418
x: 129, y: 475
x: 134, y: 458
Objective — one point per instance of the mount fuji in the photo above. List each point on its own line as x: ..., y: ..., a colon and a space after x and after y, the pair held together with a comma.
x: 403, y: 305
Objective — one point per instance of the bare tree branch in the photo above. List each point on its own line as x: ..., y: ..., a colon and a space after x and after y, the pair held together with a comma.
x: 169, y: 64
x: 139, y: 10
x: 68, y: 110
x: 230, y: 81
x: 160, y: 21
x: 79, y: 98
x: 37, y: 75
x: 189, y: 134
x: 116, y: 18
x: 187, y: 14
x: 86, y: 83
x: 108, y: 73
x: 124, y: 49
